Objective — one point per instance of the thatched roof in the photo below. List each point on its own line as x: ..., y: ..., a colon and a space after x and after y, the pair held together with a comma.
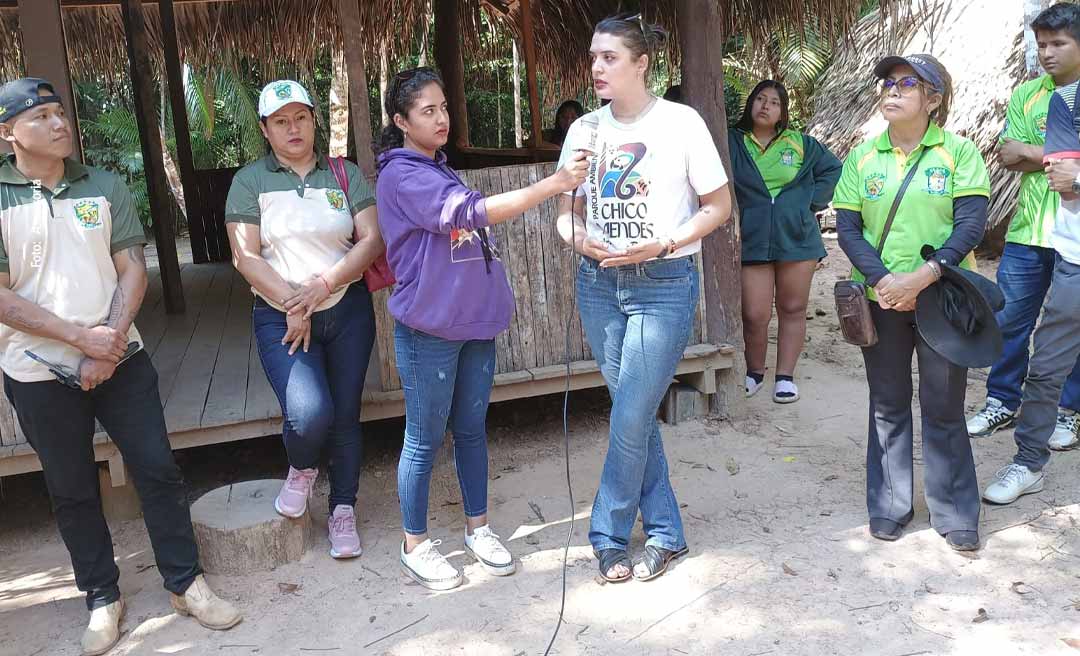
x: 980, y: 42
x: 212, y: 33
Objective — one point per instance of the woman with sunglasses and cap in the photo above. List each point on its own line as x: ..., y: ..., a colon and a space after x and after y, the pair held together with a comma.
x: 944, y: 205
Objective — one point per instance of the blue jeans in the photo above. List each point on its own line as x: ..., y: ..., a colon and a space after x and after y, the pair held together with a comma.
x: 1024, y: 275
x: 637, y: 319
x: 444, y: 381
x: 320, y: 391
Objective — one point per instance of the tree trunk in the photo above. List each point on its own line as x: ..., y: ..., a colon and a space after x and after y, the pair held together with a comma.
x: 172, y: 174
x: 701, y: 41
x: 1031, y: 49
x: 339, y: 105
x: 239, y: 532
x: 518, y: 139
x: 384, y: 82
x: 449, y: 58
x: 423, y: 61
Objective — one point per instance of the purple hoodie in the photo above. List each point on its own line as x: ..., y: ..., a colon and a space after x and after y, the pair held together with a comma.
x: 434, y: 227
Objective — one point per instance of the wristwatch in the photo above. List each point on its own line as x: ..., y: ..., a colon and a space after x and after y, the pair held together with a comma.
x: 1076, y: 184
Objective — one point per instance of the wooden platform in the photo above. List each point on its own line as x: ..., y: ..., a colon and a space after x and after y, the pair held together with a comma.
x: 214, y: 389
x: 212, y: 383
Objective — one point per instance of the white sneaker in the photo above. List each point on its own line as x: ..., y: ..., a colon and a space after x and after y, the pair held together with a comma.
x: 428, y: 567
x: 753, y: 387
x: 1011, y: 482
x: 993, y: 417
x: 103, y: 630
x: 1067, y: 432
x: 484, y: 546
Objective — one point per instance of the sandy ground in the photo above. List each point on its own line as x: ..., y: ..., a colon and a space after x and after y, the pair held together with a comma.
x: 781, y: 562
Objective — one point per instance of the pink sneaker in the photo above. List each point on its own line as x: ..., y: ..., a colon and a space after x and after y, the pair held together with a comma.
x: 344, y: 542
x: 292, y: 500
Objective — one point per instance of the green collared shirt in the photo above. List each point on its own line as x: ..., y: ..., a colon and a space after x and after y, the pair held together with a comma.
x: 951, y: 168
x: 1036, y: 205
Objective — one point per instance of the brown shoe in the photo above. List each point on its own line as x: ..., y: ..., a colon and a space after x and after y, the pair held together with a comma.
x: 200, y: 602
x: 103, y: 631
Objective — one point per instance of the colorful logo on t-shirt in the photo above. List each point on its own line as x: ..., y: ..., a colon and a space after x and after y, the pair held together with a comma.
x: 787, y: 157
x: 874, y: 186
x: 618, y: 179
x: 88, y: 214
x: 336, y: 199
x: 936, y: 177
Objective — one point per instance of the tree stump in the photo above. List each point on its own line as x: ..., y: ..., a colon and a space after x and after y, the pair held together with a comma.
x: 238, y: 531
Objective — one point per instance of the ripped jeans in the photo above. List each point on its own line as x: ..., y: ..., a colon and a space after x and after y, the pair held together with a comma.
x: 445, y: 382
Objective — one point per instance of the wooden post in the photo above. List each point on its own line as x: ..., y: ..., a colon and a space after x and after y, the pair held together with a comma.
x: 142, y: 84
x: 45, y: 55
x: 186, y: 162
x: 701, y: 44
x: 384, y: 83
x: 452, y: 66
x: 518, y: 141
x: 360, y: 113
x: 529, y: 45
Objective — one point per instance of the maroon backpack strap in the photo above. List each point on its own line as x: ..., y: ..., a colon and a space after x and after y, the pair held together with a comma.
x: 337, y: 165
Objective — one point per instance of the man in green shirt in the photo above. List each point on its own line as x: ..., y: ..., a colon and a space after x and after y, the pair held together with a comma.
x: 1027, y: 263
x: 72, y: 278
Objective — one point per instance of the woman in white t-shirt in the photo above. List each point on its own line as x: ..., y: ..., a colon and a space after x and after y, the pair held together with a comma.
x: 655, y: 187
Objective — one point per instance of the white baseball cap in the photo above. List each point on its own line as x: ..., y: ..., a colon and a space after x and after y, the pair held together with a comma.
x: 277, y: 94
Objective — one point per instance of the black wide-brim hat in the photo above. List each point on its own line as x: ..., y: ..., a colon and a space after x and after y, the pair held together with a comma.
x: 955, y: 316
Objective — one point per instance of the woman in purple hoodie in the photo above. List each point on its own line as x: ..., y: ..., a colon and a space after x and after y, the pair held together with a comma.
x: 451, y: 299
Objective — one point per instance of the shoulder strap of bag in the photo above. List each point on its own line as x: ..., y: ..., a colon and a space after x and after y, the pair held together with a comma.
x: 898, y: 198
x: 342, y: 176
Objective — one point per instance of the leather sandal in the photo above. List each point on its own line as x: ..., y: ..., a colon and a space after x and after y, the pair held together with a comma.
x: 655, y: 560
x: 609, y: 558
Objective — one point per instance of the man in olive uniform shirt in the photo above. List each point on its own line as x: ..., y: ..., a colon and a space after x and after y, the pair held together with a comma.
x: 72, y: 277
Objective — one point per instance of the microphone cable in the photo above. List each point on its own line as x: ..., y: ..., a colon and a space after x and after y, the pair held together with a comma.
x: 566, y: 425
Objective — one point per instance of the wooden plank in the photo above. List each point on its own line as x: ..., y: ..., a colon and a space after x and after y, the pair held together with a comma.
x: 142, y: 84
x: 185, y: 403
x: 7, y: 422
x: 536, y: 292
x: 151, y: 320
x: 384, y: 342
x: 227, y: 397
x: 261, y: 403
x: 528, y: 42
x: 44, y: 51
x: 524, y: 348
x: 169, y: 354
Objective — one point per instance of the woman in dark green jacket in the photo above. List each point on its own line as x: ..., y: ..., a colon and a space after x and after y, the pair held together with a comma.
x: 781, y: 178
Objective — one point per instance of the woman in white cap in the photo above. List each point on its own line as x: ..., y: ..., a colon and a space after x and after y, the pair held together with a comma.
x: 303, y: 241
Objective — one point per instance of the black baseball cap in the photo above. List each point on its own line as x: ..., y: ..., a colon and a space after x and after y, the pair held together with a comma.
x: 20, y: 95
x: 927, y: 71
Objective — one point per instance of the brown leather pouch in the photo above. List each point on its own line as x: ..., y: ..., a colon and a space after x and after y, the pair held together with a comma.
x: 853, y: 311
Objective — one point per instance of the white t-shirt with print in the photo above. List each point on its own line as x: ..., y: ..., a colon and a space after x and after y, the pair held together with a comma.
x: 646, y: 177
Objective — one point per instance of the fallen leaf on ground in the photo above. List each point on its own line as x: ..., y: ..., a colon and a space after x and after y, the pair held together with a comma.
x: 288, y: 588
x: 789, y: 458
x: 788, y: 570
x: 980, y: 617
x: 1021, y: 588
x: 732, y: 466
